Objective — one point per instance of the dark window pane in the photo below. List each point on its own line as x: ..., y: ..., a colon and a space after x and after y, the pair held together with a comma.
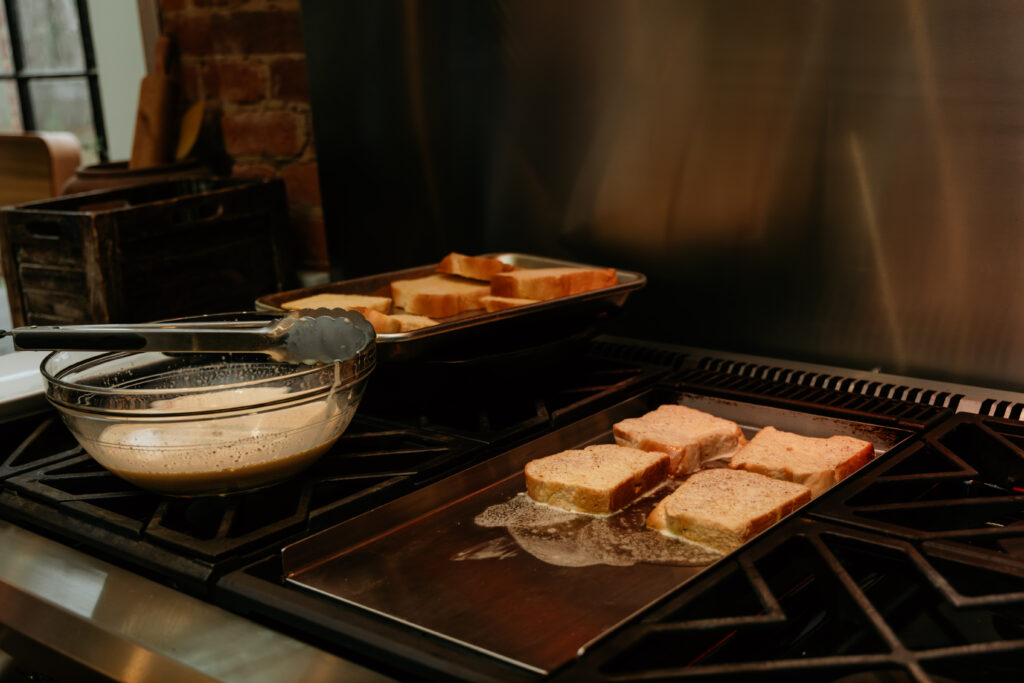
x: 6, y: 60
x: 63, y: 104
x: 10, y: 112
x: 50, y: 35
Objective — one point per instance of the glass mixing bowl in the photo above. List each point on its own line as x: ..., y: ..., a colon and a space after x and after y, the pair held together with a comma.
x: 204, y: 424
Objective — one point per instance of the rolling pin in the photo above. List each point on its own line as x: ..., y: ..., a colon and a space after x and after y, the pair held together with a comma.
x: 155, y: 133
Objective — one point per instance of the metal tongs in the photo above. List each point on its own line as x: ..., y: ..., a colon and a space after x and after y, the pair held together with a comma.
x: 320, y: 336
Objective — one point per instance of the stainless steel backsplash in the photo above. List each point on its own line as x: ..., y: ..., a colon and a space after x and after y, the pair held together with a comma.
x: 835, y: 181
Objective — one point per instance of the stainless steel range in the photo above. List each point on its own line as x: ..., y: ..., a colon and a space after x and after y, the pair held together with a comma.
x: 911, y: 570
x: 830, y: 182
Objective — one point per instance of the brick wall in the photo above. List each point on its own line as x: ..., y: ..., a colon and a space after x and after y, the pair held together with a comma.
x: 246, y: 57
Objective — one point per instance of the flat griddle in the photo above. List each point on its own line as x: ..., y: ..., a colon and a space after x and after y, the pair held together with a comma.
x: 422, y: 561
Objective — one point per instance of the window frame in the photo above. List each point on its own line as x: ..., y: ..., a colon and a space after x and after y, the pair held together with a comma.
x: 23, y: 77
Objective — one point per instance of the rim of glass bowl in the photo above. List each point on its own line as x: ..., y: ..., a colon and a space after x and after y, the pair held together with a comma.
x: 361, y: 366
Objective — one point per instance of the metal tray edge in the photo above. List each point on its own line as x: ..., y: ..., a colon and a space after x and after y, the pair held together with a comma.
x: 629, y: 281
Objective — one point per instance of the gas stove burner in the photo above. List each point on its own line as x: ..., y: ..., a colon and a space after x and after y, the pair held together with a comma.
x: 192, y: 540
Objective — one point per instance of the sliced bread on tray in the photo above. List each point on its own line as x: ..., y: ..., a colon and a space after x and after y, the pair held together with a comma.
x: 396, y: 322
x: 349, y: 302
x: 551, y: 283
x: 382, y: 322
x: 598, y: 479
x: 438, y: 296
x: 475, y: 267
x: 724, y: 508
x: 407, y: 322
x: 690, y: 437
x: 500, y: 303
x: 814, y: 462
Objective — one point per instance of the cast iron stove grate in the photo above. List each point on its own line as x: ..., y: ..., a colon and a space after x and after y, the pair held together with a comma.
x: 32, y: 441
x: 958, y: 492
x: 190, y: 541
x: 814, y: 601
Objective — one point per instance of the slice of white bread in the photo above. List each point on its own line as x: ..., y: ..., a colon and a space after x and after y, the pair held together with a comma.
x: 598, y: 479
x: 500, y: 303
x: 382, y: 322
x: 813, y: 462
x: 408, y: 322
x: 724, y: 508
x: 475, y: 267
x: 438, y: 296
x: 349, y: 302
x: 690, y: 437
x: 551, y: 283
x: 396, y: 322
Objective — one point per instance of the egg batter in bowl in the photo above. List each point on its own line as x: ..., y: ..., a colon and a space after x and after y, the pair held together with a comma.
x: 202, y: 424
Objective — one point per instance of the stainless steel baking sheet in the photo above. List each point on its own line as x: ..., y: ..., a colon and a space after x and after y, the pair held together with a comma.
x: 424, y: 561
x: 476, y: 331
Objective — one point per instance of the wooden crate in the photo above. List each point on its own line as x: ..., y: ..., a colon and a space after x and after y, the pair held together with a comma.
x: 143, y: 253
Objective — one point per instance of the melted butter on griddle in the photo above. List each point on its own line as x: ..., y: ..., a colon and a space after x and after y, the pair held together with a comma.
x: 567, y: 539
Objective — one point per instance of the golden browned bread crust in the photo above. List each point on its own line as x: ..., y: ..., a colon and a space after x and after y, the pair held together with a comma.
x: 816, y: 463
x: 438, y: 296
x: 349, y: 302
x: 475, y: 267
x: 690, y: 437
x: 500, y: 303
x: 598, y: 479
x: 724, y: 508
x: 656, y: 519
x: 550, y: 283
